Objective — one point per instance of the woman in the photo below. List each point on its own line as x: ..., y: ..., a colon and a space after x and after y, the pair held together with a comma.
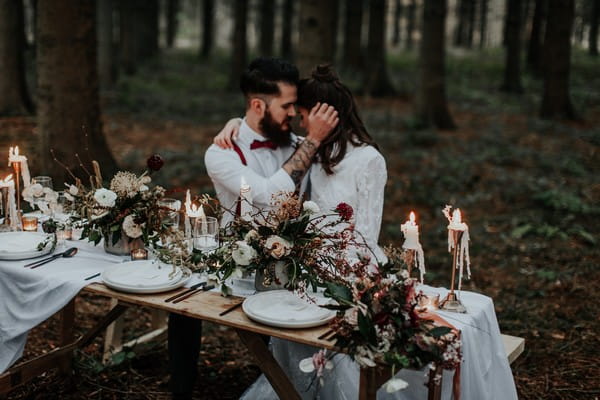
x: 349, y: 169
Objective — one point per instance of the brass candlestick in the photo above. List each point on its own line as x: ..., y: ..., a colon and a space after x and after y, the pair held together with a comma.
x: 451, y: 302
x: 17, y: 168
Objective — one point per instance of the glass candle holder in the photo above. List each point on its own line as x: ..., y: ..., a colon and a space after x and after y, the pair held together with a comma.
x: 30, y: 224
x: 206, y: 234
x: 139, y: 254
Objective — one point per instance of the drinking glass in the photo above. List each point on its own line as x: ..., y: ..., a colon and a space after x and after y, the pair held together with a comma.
x: 169, y: 212
x: 206, y: 234
x: 45, y: 181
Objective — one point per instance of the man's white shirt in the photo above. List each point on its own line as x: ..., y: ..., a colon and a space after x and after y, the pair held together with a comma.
x: 263, y: 171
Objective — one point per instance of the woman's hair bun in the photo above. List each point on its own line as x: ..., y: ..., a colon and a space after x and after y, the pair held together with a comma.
x: 324, y: 73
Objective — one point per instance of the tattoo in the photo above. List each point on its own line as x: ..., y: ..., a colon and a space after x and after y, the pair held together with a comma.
x: 299, y: 163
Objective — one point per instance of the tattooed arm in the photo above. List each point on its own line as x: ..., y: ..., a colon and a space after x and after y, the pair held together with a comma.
x: 322, y: 119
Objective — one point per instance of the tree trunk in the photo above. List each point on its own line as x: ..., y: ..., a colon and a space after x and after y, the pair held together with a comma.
x: 512, y: 66
x: 128, y: 26
x: 377, y: 81
x: 396, y: 26
x: 593, y: 33
x: 315, y: 45
x: 431, y: 105
x: 148, y: 32
x: 470, y: 23
x: 208, y: 17
x: 353, y: 35
x: 14, y: 98
x: 411, y: 20
x: 267, y: 27
x: 239, y: 46
x: 106, y: 69
x: 483, y: 18
x: 463, y: 35
x: 534, y: 50
x: 68, y: 88
x: 172, y: 21
x: 556, y: 101
x: 286, y: 30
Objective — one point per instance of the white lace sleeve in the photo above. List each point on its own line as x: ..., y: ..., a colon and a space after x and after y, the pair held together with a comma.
x: 370, y: 187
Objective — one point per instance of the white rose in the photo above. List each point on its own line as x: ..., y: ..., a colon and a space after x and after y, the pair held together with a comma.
x: 243, y: 253
x: 278, y: 246
x: 311, y: 207
x: 130, y: 228
x: 105, y: 197
x: 36, y: 190
x: 395, y: 384
x: 251, y: 235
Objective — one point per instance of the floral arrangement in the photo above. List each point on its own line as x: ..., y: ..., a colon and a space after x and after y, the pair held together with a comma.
x: 378, y: 320
x: 308, y: 244
x: 128, y: 208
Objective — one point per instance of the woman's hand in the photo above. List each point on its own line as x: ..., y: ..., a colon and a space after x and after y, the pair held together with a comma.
x: 226, y: 136
x: 322, y: 119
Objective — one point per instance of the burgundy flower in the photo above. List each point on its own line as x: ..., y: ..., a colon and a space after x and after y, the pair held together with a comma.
x: 155, y: 162
x: 345, y: 211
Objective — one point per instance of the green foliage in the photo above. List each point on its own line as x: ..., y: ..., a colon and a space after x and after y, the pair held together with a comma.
x: 559, y: 200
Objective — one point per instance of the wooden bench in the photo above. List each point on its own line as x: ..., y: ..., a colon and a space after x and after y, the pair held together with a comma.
x: 514, y: 346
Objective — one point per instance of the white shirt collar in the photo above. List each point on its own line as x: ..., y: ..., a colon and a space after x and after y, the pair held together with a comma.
x: 247, y: 135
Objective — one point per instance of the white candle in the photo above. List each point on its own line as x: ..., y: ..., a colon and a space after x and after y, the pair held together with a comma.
x: 203, y: 224
x: 186, y: 219
x: 14, y: 157
x: 245, y: 200
x: 456, y: 225
x: 411, y: 241
x: 11, y: 204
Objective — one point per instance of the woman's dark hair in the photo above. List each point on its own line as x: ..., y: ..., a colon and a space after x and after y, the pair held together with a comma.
x: 324, y: 86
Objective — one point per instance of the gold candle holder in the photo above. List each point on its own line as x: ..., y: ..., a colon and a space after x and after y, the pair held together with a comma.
x: 139, y: 254
x: 17, y: 168
x: 451, y: 302
x: 30, y: 224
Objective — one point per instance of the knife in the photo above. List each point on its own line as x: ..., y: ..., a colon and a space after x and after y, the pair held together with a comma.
x: 191, y: 289
x: 193, y: 292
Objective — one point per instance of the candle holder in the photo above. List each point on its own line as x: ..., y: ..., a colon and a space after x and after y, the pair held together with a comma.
x: 17, y: 168
x: 409, y: 259
x: 30, y: 224
x: 139, y: 254
x: 451, y: 302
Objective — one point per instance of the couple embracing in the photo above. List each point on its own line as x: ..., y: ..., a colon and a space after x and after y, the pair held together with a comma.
x: 337, y: 161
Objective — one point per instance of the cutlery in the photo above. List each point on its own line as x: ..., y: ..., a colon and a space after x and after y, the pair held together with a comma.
x: 231, y: 308
x: 191, y: 289
x: 93, y: 276
x: 327, y: 333
x: 66, y: 254
x: 193, y: 292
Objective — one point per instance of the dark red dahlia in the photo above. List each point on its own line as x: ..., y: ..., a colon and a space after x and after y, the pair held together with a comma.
x: 345, y: 211
x: 155, y: 162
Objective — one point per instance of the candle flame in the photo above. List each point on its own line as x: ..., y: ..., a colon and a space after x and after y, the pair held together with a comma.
x: 412, y: 217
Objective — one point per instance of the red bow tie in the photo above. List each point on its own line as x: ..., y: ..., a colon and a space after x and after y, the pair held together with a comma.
x: 257, y: 144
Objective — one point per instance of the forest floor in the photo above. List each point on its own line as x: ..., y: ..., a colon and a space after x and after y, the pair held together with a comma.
x: 528, y: 188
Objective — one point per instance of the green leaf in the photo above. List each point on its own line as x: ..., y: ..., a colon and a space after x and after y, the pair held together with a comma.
x: 439, y: 331
x: 521, y: 231
x: 366, y: 328
x: 338, y: 292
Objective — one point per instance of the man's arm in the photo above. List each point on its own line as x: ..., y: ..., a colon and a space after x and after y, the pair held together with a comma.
x: 321, y: 121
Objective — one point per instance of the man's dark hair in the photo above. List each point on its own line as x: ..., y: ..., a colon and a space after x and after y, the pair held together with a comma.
x: 263, y: 73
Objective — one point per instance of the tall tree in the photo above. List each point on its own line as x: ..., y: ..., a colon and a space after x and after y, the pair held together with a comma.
x: 148, y: 19
x: 534, y: 49
x: 14, y: 98
x: 463, y: 35
x: 239, y: 46
x: 68, y: 87
x: 483, y: 19
x: 104, y: 29
x: 396, y: 26
x: 431, y: 104
x: 353, y: 35
x: 411, y: 22
x: 593, y: 32
x: 286, y: 29
x: 267, y: 27
x: 556, y: 100
x: 512, y: 65
x: 172, y: 21
x: 315, y: 43
x: 377, y: 81
x: 208, y: 17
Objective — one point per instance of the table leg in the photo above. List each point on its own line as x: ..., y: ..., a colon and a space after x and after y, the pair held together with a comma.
x: 371, y: 380
x: 269, y: 366
x: 67, y: 320
x: 435, y: 390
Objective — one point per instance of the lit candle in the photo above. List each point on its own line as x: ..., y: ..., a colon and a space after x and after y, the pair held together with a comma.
x: 139, y: 254
x: 245, y: 200
x: 30, y: 224
x: 411, y: 242
x: 188, y: 204
x: 21, y: 160
x: 456, y: 229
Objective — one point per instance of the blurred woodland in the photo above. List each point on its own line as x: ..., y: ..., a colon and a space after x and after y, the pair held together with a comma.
x: 490, y: 105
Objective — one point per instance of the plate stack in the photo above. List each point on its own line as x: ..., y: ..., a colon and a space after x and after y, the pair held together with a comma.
x: 148, y: 276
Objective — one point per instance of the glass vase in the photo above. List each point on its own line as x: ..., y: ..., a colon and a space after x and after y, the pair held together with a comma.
x: 123, y: 246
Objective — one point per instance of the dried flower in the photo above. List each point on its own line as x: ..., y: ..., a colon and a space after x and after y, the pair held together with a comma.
x: 126, y: 184
x: 278, y: 246
x: 155, y: 162
x: 345, y: 211
x: 131, y: 228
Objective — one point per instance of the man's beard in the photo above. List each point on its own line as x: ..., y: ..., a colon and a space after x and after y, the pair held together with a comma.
x: 273, y: 131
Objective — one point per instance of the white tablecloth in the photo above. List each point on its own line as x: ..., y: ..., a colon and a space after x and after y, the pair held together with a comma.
x: 30, y: 296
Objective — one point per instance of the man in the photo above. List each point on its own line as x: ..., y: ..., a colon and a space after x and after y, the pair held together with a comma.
x: 270, y: 158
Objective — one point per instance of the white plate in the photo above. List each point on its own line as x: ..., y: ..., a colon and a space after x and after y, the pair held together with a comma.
x: 22, y: 245
x: 144, y: 277
x: 285, y: 309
